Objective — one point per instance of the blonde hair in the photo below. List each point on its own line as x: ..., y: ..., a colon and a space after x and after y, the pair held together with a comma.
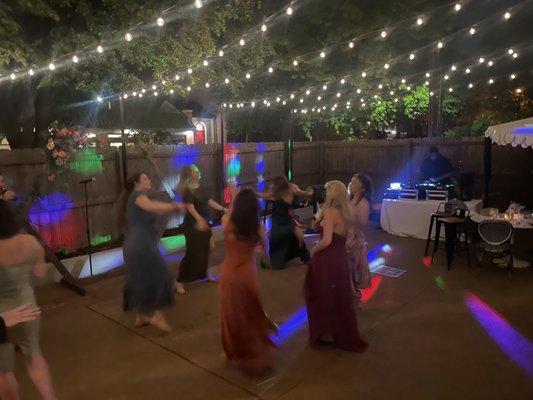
x: 337, y: 198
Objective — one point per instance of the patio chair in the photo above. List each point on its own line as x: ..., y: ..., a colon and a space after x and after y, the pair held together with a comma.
x: 443, y: 210
x: 495, y: 240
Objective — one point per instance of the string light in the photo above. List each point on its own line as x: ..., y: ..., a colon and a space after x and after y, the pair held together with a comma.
x: 383, y: 34
x: 343, y: 81
x: 160, y: 21
x: 226, y: 81
x: 31, y: 72
x: 301, y: 100
x: 264, y: 28
x: 426, y: 83
x: 198, y: 3
x: 319, y: 98
x: 450, y: 90
x: 325, y: 87
x: 431, y: 93
x: 510, y: 51
x: 253, y: 104
x: 472, y: 31
x: 490, y: 63
x: 242, y: 42
x: 428, y: 74
x: 295, y: 63
x: 100, y: 49
x: 391, y: 92
x: 307, y: 92
x: 99, y: 99
x: 338, y: 94
x: 284, y: 102
x: 453, y: 68
x: 491, y: 81
x: 270, y: 70
x: 440, y: 45
x: 13, y: 77
x: 51, y: 66
x: 467, y: 71
x: 411, y: 56
x: 289, y: 11
x: 470, y: 85
x: 515, y: 55
x: 140, y: 95
x: 221, y: 53
x: 322, y: 54
x: 386, y: 66
x: 419, y: 21
x: 155, y: 93
x: 248, y: 76
x: 507, y: 15
x: 278, y: 99
x: 358, y: 91
x: 125, y: 96
x: 380, y: 86
x: 177, y: 77
x: 189, y: 70
x: 143, y: 90
x: 207, y: 84
x: 75, y: 59
x: 171, y: 91
x: 446, y: 77
x: 457, y: 7
x: 512, y: 77
x: 292, y: 96
x: 188, y: 89
x: 128, y: 37
x: 481, y: 60
x: 154, y: 87
x: 403, y: 80
x: 518, y: 90
x: 363, y: 74
x: 351, y: 45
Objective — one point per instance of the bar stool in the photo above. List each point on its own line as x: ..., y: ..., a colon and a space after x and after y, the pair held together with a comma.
x: 443, y: 210
x: 453, y: 225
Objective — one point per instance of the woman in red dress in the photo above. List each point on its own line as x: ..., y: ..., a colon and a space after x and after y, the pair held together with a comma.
x: 329, y: 292
x: 244, y: 324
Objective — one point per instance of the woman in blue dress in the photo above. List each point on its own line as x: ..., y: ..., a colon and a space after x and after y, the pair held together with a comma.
x: 149, y: 284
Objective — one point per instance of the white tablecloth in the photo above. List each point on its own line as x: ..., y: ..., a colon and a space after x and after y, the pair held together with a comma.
x: 411, y: 217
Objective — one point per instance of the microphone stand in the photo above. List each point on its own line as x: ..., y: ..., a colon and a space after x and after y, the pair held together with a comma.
x: 90, y: 248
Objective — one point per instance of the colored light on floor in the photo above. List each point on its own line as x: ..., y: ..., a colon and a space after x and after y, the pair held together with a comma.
x: 367, y: 294
x: 511, y: 342
x: 173, y: 243
x: 426, y: 261
x: 374, y: 265
x: 386, y: 248
x: 292, y: 325
x: 440, y: 282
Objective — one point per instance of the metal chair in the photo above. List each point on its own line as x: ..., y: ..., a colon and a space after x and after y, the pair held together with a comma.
x: 495, y: 241
x: 455, y: 226
x: 443, y: 210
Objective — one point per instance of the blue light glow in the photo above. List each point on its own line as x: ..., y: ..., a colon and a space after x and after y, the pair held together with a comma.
x: 293, y: 324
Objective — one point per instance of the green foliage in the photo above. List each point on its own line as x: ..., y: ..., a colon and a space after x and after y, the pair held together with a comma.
x: 383, y: 113
x: 480, y: 125
x: 157, y: 136
x: 416, y: 103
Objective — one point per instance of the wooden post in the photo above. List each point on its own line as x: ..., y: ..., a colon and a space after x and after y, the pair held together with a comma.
x: 123, y: 151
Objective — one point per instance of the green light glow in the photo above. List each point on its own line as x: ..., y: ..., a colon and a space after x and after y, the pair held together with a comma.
x: 440, y: 282
x: 100, y: 239
x: 289, y: 175
x: 87, y: 162
x: 173, y: 243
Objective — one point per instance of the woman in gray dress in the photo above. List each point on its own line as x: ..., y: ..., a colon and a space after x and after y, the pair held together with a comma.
x: 149, y: 285
x: 20, y: 256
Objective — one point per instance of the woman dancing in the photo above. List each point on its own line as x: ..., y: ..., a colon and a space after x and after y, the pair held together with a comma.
x: 195, y: 264
x: 286, y: 240
x: 20, y: 255
x: 360, y: 198
x: 149, y: 288
x: 245, y: 326
x: 329, y: 293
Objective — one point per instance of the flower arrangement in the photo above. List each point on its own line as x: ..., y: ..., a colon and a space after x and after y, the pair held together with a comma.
x: 61, y: 145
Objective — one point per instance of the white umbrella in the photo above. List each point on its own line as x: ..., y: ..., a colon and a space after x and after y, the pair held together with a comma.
x: 515, y: 133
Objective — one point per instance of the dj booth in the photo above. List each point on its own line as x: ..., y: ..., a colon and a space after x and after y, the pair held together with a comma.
x: 406, y: 209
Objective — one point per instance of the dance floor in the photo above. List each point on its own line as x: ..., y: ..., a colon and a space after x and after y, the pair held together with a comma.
x: 433, y: 334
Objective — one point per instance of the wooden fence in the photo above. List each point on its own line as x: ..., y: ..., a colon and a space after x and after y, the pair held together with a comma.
x: 60, y: 216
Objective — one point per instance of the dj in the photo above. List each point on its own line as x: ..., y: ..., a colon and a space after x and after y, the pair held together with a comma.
x: 436, y: 167
x: 6, y: 194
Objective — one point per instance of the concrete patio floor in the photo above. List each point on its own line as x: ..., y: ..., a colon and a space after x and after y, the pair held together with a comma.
x: 425, y: 340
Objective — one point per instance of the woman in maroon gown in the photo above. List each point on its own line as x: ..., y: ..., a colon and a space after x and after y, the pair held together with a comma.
x: 329, y: 292
x: 244, y: 324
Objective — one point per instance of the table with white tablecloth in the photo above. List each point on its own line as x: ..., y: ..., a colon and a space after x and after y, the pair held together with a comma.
x: 411, y: 217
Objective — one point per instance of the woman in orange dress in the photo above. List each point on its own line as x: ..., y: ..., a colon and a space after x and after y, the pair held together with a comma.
x: 244, y: 324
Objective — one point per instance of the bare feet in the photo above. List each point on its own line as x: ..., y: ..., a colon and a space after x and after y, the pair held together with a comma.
x: 141, y: 321
x: 180, y: 288
x: 159, y: 321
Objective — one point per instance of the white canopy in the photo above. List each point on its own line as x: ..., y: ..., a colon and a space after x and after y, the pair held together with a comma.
x: 515, y: 133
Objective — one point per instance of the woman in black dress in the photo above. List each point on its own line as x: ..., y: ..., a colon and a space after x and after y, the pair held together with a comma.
x: 149, y: 287
x: 286, y: 240
x: 198, y: 237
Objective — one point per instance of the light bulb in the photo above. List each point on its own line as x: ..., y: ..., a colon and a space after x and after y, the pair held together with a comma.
x: 295, y: 63
x: 481, y: 60
x: 343, y: 81
x: 440, y: 45
x: 510, y: 51
x: 515, y: 55
x: 453, y: 68
x: 472, y: 31
x: 75, y: 59
x: 380, y: 86
x: 253, y: 104
x: 490, y: 63
x: 177, y: 77
x: 383, y: 34
x: 270, y: 70
x: 128, y: 37
x: 134, y: 94
x: 351, y: 45
x: 163, y: 82
x: 319, y: 98
x: 403, y: 80
x: 140, y: 95
x: 248, y: 76
x: 457, y: 7
x: 419, y: 21
x: 411, y: 56
x: 338, y: 94
x: 284, y: 102
x: 143, y: 90
x: 292, y: 96
x: 242, y: 42
x: 226, y: 81
x: 467, y: 71
x: 51, y: 66
x: 426, y: 83
x: 198, y: 3
x: 278, y: 99
x: 363, y: 74
x: 154, y: 87
x: 221, y: 53
x: 99, y: 99
x: 189, y: 70
x: 358, y: 91
x: 188, y: 88
x: 13, y: 77
x: 307, y: 92
x: 408, y: 87
x: 207, y: 84
x: 31, y: 72
x: 324, y: 87
x: 301, y: 100
x: 518, y: 90
x: 206, y: 63
x: 322, y: 54
x: 386, y: 66
x: 264, y: 28
x: 100, y: 49
x: 507, y: 15
x: 289, y: 10
x: 450, y: 90
x: 431, y: 93
x: 491, y: 81
x: 470, y: 85
x: 155, y: 93
x: 392, y: 92
x: 446, y: 77
x: 160, y: 21
x: 171, y: 91
x: 513, y: 76
x: 428, y: 74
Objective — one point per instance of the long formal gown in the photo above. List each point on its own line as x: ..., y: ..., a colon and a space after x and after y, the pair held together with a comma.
x: 283, y: 244
x: 149, y: 283
x: 194, y: 265
x: 245, y: 326
x: 358, y: 258
x: 330, y: 298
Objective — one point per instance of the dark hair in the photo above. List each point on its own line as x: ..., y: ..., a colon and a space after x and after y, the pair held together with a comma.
x: 245, y: 215
x: 368, y: 187
x: 122, y: 202
x: 185, y: 177
x: 9, y: 223
x: 433, y: 149
x: 280, y: 186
